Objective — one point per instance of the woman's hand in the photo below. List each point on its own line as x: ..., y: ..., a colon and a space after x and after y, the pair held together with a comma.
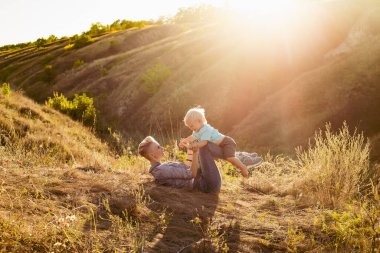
x: 194, y: 147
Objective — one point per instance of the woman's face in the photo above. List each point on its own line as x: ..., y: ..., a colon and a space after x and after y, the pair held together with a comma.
x: 156, y: 151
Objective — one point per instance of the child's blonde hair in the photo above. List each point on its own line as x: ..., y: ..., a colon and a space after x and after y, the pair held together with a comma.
x: 196, y: 113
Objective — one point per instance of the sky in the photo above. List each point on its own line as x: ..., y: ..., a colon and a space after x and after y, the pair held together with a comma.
x: 28, y: 20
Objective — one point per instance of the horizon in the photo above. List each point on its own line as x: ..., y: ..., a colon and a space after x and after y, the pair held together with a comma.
x: 76, y: 17
x: 19, y: 22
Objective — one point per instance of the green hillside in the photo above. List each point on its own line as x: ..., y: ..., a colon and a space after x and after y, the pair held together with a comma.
x: 267, y: 85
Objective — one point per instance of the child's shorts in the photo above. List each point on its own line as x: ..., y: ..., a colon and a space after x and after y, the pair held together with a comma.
x: 228, y: 146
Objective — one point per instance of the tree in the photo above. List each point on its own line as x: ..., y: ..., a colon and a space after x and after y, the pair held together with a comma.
x: 116, y: 25
x: 52, y: 38
x: 97, y: 29
x: 199, y: 13
x: 40, y: 42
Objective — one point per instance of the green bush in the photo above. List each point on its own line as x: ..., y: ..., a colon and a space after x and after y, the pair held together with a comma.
x: 40, y: 42
x: 48, y: 58
x: 78, y: 63
x: 48, y: 74
x: 154, y: 77
x: 6, y: 89
x: 80, y: 41
x: 356, y: 229
x: 52, y: 38
x: 80, y: 108
x: 97, y: 29
x: 84, y: 109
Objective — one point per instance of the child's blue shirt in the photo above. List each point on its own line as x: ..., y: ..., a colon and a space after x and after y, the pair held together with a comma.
x: 208, y: 133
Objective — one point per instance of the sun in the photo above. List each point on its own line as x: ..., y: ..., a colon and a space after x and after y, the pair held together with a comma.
x: 268, y: 11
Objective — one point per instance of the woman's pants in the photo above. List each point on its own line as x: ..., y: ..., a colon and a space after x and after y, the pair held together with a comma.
x: 208, y: 178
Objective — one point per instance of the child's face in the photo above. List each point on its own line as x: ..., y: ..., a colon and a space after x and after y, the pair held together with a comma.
x: 195, y: 125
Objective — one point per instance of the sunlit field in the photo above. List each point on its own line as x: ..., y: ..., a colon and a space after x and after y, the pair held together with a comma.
x: 297, y: 82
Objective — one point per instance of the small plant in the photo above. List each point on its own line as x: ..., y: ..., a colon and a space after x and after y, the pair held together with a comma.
x: 230, y: 170
x: 212, y: 236
x: 356, y: 229
x: 68, y: 46
x: 103, y: 71
x: 78, y: 63
x: 154, y: 77
x: 114, y: 46
x: 294, y: 238
x: 6, y: 89
x: 48, y: 74
x: 48, y: 58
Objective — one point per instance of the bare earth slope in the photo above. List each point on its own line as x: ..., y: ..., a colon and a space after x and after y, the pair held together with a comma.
x: 266, y: 85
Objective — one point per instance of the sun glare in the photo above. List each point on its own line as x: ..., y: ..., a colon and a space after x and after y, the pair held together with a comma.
x: 268, y: 11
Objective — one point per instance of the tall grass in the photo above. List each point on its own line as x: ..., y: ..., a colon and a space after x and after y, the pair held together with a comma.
x: 336, y: 166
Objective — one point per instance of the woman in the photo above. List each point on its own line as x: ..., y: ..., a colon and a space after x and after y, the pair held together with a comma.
x: 176, y: 174
x: 203, y: 173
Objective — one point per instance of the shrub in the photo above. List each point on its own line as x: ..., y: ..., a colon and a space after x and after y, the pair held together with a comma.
x: 68, y: 46
x: 154, y: 77
x: 202, y: 13
x: 336, y: 166
x: 83, y: 108
x: 81, y: 41
x: 115, y: 26
x: 6, y: 89
x: 48, y: 58
x: 52, y: 38
x: 59, y: 102
x: 356, y: 229
x: 80, y: 108
x: 78, y: 63
x: 114, y: 46
x: 97, y: 29
x: 40, y: 42
x: 48, y: 74
x: 103, y: 71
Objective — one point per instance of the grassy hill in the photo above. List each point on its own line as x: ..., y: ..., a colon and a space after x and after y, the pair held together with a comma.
x: 63, y: 190
x: 269, y: 85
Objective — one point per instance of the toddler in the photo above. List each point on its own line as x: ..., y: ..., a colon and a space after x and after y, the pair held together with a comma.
x: 202, y: 133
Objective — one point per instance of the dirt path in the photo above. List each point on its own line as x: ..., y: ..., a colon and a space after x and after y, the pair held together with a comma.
x: 251, y: 222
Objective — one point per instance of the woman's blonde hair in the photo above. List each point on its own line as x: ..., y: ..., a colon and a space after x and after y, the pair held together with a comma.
x: 144, y: 145
x: 196, y: 113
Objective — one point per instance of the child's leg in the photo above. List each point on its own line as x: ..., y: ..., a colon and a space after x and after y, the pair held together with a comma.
x: 229, y: 147
x: 237, y: 163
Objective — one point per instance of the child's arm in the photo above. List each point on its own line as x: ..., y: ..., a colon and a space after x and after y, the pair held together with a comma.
x: 198, y: 144
x: 185, y: 141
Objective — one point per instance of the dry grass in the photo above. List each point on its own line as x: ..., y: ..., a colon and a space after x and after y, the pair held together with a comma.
x: 73, y: 196
x: 336, y: 168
